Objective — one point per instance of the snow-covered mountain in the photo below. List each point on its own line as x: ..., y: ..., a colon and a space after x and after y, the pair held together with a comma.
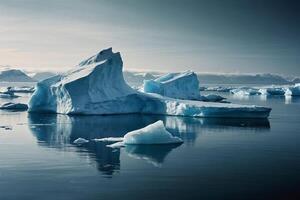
x: 14, y: 75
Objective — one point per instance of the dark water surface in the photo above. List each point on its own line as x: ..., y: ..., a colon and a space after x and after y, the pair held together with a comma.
x: 219, y: 159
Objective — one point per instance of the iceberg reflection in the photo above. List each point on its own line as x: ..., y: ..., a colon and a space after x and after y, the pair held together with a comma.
x: 59, y: 131
x: 154, y: 154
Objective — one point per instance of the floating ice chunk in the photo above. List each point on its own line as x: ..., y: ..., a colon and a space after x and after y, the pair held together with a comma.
x: 245, y: 91
x: 175, y: 85
x: 23, y: 89
x: 155, y: 133
x: 80, y: 141
x: 273, y: 91
x: 14, y: 106
x: 109, y: 139
x: 294, y: 90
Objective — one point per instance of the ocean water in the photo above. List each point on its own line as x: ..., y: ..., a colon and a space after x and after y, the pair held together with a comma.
x: 219, y: 159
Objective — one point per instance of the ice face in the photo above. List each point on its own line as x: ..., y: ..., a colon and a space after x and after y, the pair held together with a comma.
x: 175, y: 85
x: 97, y: 87
x: 294, y: 90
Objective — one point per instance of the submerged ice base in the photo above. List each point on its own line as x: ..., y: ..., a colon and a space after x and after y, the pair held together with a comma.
x: 97, y: 87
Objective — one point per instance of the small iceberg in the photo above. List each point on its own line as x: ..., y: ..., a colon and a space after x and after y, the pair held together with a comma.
x: 245, y: 91
x: 14, y: 106
x: 294, y: 90
x: 155, y: 133
x: 80, y: 141
x: 175, y: 85
x: 276, y: 91
x: 23, y: 89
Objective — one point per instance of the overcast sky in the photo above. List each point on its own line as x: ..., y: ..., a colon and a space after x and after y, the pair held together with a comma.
x: 238, y: 36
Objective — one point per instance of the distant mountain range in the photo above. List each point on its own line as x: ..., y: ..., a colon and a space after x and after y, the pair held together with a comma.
x: 245, y: 79
x: 136, y: 78
x: 14, y: 75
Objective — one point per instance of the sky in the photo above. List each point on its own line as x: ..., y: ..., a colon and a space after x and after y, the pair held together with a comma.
x: 213, y: 36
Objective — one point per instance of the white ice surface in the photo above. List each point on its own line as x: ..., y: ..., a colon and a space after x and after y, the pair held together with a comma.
x: 155, y: 133
x: 175, y: 85
x: 80, y: 141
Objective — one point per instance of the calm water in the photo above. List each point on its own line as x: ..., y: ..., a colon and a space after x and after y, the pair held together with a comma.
x: 219, y: 159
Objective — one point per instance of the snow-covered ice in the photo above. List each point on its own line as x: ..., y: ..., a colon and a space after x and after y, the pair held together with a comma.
x: 97, y: 87
x: 155, y: 133
x: 245, y: 91
x: 175, y: 85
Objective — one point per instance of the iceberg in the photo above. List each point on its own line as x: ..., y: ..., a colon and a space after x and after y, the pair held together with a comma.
x: 273, y: 91
x: 14, y: 106
x: 294, y: 90
x: 175, y: 85
x: 80, y: 141
x: 155, y: 133
x: 97, y: 87
x: 245, y: 91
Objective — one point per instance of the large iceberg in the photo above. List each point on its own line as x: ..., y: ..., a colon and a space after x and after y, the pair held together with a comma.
x: 175, y: 85
x: 97, y: 87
